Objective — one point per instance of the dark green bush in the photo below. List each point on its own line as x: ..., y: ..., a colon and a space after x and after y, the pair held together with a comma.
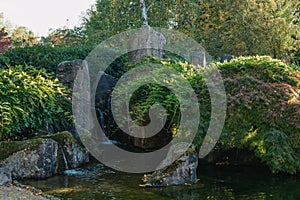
x: 263, y: 110
x: 43, y: 56
x: 263, y: 102
x: 118, y: 67
x: 297, y: 58
x: 30, y: 100
x: 151, y: 94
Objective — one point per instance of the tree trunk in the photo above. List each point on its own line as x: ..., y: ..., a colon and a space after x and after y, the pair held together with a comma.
x: 144, y: 13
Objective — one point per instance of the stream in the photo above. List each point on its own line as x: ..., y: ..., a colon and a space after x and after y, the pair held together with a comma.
x: 96, y: 181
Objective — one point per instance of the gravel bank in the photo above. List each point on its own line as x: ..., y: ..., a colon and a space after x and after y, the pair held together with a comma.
x: 20, y: 192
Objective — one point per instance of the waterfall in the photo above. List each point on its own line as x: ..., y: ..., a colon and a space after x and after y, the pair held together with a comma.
x: 110, y: 122
x: 101, y: 116
x: 64, y: 159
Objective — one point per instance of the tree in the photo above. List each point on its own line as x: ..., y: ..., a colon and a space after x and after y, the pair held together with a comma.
x: 5, y: 24
x: 108, y: 18
x: 249, y: 27
x: 18, y: 37
x: 144, y: 12
x: 1, y: 20
x: 5, y: 40
x: 65, y: 36
x: 22, y: 37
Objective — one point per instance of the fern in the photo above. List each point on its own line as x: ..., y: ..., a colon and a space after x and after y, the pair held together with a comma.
x: 30, y: 99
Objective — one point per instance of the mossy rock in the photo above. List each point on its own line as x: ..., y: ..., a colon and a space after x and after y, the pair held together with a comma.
x: 61, y: 137
x: 8, y: 148
x: 42, y: 157
x: 180, y: 168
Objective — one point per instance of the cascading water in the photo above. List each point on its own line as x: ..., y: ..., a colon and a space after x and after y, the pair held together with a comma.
x: 101, y: 118
x: 64, y: 159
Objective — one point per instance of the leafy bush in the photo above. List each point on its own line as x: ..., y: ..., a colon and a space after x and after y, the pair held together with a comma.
x: 296, y: 57
x: 263, y: 107
x: 48, y: 57
x: 263, y: 110
x: 150, y: 94
x: 43, y: 56
x: 30, y: 100
x: 263, y: 68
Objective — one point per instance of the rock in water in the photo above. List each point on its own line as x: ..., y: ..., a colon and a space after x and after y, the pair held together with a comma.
x: 5, y: 176
x: 182, y: 171
x: 76, y: 155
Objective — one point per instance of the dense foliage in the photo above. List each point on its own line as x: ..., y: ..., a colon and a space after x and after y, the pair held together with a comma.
x: 31, y: 100
x: 250, y: 27
x: 262, y: 93
x: 22, y: 37
x: 263, y: 110
x: 108, y: 18
x: 247, y: 28
x: 19, y: 36
x: 43, y: 56
x: 263, y: 107
x: 67, y: 37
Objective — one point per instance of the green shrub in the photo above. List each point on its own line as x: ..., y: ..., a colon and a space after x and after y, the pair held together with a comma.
x: 294, y: 57
x: 263, y: 68
x: 263, y: 107
x: 263, y: 110
x: 43, y: 56
x: 30, y: 100
x: 150, y: 94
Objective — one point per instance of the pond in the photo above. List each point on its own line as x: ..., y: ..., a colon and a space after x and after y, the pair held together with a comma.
x: 96, y: 181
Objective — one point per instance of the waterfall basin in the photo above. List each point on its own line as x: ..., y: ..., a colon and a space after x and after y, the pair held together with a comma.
x: 96, y: 181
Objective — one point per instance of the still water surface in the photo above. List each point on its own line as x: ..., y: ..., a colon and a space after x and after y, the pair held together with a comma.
x: 96, y: 181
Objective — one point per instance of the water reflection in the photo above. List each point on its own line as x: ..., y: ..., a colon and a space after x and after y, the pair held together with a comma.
x: 99, y: 182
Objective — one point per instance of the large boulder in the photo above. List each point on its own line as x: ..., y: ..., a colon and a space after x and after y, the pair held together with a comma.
x: 42, y: 157
x: 66, y: 72
x: 146, y: 42
x: 182, y: 171
x: 104, y: 89
x: 5, y: 176
x: 74, y: 153
x: 39, y: 162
